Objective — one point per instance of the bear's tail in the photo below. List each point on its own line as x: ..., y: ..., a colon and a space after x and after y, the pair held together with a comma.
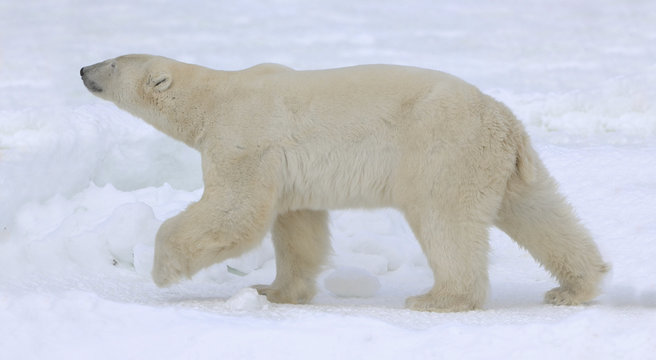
x: 526, y: 157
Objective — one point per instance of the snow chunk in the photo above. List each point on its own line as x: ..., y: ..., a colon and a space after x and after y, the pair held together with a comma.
x: 129, y: 225
x: 247, y: 299
x: 143, y: 258
x: 352, y: 282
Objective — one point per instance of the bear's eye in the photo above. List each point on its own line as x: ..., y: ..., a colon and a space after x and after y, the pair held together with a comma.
x: 160, y: 82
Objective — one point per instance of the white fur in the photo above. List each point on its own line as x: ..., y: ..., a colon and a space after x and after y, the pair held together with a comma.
x: 280, y: 147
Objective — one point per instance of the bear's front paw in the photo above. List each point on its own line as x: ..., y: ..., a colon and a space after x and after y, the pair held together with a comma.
x: 436, y: 303
x: 166, y: 270
x: 284, y: 296
x: 164, y: 276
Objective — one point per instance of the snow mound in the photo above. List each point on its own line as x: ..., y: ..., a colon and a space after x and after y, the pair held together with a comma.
x: 247, y: 299
x: 352, y: 282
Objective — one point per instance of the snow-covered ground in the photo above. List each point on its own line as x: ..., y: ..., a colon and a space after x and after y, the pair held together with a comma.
x: 84, y: 186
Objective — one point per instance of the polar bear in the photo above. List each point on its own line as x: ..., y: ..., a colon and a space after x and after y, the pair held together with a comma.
x: 280, y: 147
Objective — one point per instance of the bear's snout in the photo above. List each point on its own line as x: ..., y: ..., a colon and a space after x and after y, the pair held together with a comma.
x: 90, y: 84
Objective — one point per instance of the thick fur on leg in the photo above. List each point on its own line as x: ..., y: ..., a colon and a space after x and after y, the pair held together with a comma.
x: 453, y: 234
x: 540, y: 220
x: 301, y: 240
x: 196, y: 239
x: 218, y: 226
x: 457, y: 255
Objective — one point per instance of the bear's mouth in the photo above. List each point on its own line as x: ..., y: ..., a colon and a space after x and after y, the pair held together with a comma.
x: 91, y: 85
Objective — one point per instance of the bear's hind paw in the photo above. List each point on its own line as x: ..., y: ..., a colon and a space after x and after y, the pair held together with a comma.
x: 561, y: 296
x: 436, y: 303
x: 283, y: 296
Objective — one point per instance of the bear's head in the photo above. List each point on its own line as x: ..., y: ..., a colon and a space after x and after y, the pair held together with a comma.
x: 145, y: 86
x: 129, y: 80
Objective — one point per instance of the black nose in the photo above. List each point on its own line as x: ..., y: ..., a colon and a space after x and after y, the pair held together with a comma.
x: 82, y: 72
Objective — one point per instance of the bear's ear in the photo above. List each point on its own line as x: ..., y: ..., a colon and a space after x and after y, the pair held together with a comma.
x: 160, y: 82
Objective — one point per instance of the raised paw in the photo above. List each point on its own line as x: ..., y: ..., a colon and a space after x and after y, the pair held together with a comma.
x: 436, y: 303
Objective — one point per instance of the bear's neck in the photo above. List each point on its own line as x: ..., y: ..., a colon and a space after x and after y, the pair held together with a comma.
x: 180, y: 126
x: 175, y: 119
x: 188, y: 112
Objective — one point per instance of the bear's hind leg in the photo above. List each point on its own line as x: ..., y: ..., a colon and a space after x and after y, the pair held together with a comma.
x: 457, y: 253
x: 539, y: 219
x: 301, y: 241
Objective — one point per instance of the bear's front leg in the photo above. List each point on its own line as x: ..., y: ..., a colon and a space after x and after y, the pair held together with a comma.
x: 301, y: 240
x: 232, y: 217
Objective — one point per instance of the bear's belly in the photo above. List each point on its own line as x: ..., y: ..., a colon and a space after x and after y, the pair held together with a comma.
x: 338, y: 179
